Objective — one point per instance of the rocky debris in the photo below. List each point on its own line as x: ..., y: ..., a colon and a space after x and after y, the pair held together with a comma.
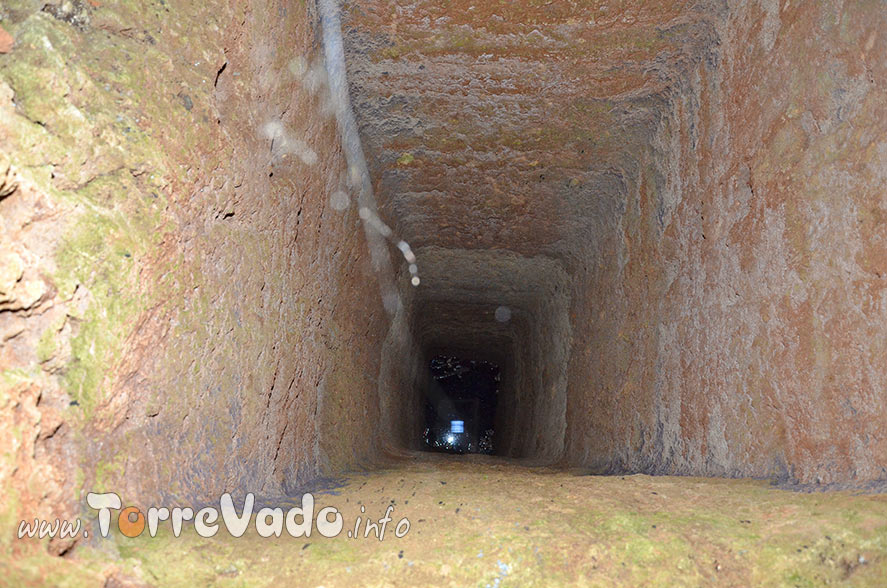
x: 73, y: 12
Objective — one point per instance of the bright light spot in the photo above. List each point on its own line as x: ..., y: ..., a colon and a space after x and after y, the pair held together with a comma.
x: 315, y: 78
x: 414, y: 269
x: 503, y: 314
x: 298, y: 66
x: 284, y: 143
x: 415, y: 281
x: 305, y: 153
x: 272, y: 129
x: 364, y: 212
x: 354, y: 176
x: 339, y: 200
x: 450, y: 439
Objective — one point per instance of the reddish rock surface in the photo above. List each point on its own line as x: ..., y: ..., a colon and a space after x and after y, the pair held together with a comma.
x: 710, y: 176
x: 183, y: 313
x: 751, y: 266
x: 6, y: 41
x: 680, y: 204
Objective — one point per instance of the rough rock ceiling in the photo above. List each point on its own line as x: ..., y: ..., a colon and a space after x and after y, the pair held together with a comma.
x: 510, y: 125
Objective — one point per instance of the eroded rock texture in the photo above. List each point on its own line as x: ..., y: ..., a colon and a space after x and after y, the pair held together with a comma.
x: 755, y: 228
x: 710, y: 175
x: 665, y: 221
x: 183, y: 313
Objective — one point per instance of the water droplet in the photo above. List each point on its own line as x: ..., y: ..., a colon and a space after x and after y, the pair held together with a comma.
x: 339, y: 200
x: 298, y: 66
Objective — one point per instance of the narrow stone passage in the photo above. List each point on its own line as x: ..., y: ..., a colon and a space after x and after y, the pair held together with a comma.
x: 589, y: 292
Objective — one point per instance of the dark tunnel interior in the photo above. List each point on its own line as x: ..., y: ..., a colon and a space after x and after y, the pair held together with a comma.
x: 460, y: 405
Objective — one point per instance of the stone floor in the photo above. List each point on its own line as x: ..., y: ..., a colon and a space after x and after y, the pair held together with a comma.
x: 484, y: 522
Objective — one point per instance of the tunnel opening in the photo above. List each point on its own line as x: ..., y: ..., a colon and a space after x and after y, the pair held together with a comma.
x: 494, y: 308
x: 460, y: 405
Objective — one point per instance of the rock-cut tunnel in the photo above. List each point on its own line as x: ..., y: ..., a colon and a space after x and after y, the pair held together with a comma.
x: 592, y: 292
